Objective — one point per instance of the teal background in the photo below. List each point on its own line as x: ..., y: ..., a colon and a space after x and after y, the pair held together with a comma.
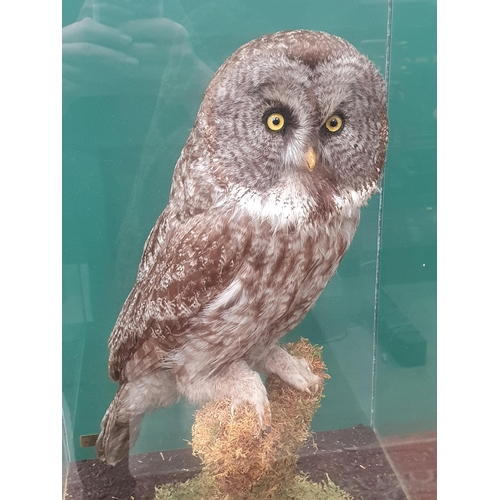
x: 120, y: 143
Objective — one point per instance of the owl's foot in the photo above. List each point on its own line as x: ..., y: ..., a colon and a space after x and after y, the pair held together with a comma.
x: 237, y: 382
x: 254, y: 394
x: 294, y: 371
x: 243, y: 385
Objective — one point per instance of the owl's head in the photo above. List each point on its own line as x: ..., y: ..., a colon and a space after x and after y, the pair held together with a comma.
x: 299, y: 108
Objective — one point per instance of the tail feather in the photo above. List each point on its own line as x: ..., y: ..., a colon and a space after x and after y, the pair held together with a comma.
x: 119, y: 430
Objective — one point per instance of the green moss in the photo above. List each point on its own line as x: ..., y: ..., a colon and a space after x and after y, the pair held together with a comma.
x: 202, y: 487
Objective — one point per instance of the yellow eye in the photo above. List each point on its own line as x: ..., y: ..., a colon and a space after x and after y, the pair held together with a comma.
x: 275, y: 122
x: 334, y: 124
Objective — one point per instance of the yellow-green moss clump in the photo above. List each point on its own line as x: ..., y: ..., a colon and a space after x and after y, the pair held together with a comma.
x: 243, y: 459
x: 202, y: 487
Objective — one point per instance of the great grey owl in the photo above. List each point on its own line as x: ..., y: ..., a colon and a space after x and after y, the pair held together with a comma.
x: 289, y: 143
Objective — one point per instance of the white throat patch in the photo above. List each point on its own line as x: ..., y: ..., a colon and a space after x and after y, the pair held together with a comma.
x: 283, y: 206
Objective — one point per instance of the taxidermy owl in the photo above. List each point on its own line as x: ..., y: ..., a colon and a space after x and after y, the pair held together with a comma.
x: 289, y: 143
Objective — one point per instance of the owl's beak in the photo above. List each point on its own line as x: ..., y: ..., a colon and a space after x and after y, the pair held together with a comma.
x: 310, y: 159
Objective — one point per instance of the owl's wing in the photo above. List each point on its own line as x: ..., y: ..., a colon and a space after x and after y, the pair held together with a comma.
x: 177, y: 277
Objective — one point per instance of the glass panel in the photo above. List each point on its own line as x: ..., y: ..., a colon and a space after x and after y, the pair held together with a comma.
x: 405, y: 389
x: 406, y: 369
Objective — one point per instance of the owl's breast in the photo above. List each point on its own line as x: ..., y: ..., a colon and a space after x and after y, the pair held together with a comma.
x: 282, y: 274
x: 314, y: 258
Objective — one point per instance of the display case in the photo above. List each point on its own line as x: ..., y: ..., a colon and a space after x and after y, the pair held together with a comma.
x: 128, y: 107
